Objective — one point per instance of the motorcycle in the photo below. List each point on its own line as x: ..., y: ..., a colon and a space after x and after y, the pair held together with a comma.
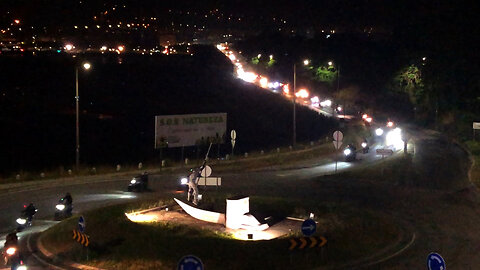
x: 182, y: 184
x: 63, y: 209
x: 139, y: 183
x: 12, y: 256
x: 365, y: 147
x: 25, y: 219
x: 350, y: 153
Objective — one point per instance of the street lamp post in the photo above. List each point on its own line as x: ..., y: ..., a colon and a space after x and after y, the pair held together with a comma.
x: 306, y: 62
x: 77, y: 129
x: 294, y: 101
x: 86, y: 66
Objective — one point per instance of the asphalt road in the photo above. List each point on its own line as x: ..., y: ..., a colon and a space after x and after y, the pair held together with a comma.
x: 95, y: 195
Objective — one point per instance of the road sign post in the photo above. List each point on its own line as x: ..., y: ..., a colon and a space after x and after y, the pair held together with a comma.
x: 309, y: 227
x: 337, y: 142
x: 435, y: 262
x: 233, y: 136
x: 81, y: 224
x: 190, y: 262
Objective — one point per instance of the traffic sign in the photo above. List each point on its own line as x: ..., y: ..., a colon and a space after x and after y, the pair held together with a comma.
x: 309, y: 227
x: 190, y: 262
x: 207, y: 171
x: 435, y: 262
x: 233, y: 134
x: 81, y: 238
x: 81, y: 224
x: 337, y: 144
x: 307, y: 242
x: 384, y: 152
x: 338, y: 136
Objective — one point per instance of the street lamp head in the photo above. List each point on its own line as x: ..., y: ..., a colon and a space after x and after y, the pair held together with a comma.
x: 87, y: 66
x: 306, y: 62
x: 330, y: 63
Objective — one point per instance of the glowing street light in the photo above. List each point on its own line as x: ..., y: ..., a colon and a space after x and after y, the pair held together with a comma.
x: 379, y: 132
x: 16, y: 21
x: 306, y: 62
x: 390, y: 124
x: 121, y: 48
x: 86, y: 66
x: 330, y: 63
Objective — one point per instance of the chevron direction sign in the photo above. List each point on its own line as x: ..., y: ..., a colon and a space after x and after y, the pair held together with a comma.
x: 81, y: 238
x: 307, y: 242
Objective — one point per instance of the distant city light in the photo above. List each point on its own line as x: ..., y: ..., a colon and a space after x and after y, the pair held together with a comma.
x: 286, y: 89
x: 103, y: 48
x: 424, y: 58
x: 379, y: 132
x: 369, y: 119
x: 339, y: 108
x: 232, y: 57
x: 315, y: 99
x: 17, y: 21
x: 121, y: 48
x: 69, y: 47
x: 364, y: 116
x: 390, y: 124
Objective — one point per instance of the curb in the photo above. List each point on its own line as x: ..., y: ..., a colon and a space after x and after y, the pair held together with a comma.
x: 45, y: 252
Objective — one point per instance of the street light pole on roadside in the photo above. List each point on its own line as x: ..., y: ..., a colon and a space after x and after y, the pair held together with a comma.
x: 86, y: 66
x: 294, y: 109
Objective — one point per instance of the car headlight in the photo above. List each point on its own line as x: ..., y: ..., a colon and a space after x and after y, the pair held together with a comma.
x: 21, y: 221
x: 11, y: 251
x: 183, y: 181
x: 60, y: 207
x: 364, y: 144
x: 133, y: 181
x: 347, y: 152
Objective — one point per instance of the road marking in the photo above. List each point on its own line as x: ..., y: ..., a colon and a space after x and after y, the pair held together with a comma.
x: 38, y: 258
x: 394, y: 254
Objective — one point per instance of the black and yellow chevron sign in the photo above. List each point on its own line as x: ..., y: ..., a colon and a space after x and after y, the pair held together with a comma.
x: 307, y: 242
x: 80, y: 238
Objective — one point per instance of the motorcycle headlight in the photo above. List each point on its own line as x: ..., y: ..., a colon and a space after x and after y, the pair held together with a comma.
x: 21, y: 221
x: 60, y: 207
x: 364, y: 144
x: 11, y: 251
x: 347, y: 152
x: 183, y: 181
x: 133, y: 181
